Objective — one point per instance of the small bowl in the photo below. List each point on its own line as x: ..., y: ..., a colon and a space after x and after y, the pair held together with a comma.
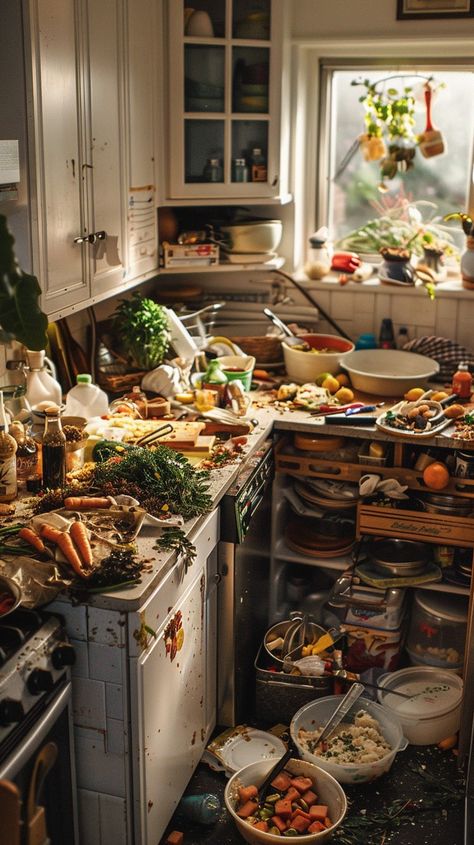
x: 8, y: 585
x: 238, y: 367
x: 327, y: 788
x: 316, y: 714
x: 303, y: 367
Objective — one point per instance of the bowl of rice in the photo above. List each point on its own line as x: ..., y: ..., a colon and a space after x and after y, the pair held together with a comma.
x: 361, y: 748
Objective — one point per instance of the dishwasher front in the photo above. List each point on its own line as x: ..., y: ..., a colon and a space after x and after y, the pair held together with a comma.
x: 243, y: 573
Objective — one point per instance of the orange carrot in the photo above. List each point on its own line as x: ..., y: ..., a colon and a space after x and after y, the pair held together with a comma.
x: 32, y: 538
x: 78, y: 503
x: 79, y: 536
x: 63, y: 540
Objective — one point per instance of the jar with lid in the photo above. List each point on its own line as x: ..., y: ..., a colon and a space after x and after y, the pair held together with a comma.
x: 437, y: 630
x: 318, y: 264
x: 240, y: 171
x: 258, y: 166
x: 213, y: 171
x: 53, y: 450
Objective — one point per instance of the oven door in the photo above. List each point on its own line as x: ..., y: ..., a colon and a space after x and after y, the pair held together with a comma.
x: 58, y: 792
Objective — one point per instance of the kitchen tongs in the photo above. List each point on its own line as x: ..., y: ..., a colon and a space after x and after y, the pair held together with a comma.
x: 156, y: 434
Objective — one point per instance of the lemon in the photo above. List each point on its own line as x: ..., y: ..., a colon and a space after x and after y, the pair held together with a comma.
x: 321, y: 378
x: 414, y: 393
x: 439, y: 395
x: 345, y: 395
x: 330, y: 383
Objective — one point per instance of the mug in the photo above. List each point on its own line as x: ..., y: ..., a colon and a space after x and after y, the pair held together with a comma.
x: 464, y: 466
x: 401, y: 271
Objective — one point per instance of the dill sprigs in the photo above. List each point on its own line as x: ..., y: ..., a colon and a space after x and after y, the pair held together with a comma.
x: 174, y: 539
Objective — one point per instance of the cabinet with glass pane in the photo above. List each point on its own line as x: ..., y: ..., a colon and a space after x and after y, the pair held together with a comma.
x: 225, y: 60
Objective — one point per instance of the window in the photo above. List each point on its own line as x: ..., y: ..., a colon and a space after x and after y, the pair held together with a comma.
x: 352, y: 192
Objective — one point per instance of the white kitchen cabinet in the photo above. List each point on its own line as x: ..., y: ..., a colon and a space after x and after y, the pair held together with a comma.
x: 90, y: 81
x: 224, y: 99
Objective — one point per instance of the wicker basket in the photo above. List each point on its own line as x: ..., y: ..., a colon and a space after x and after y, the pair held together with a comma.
x: 265, y: 349
x: 115, y: 378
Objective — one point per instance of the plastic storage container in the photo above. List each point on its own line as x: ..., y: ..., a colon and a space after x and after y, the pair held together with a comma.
x: 437, y: 630
x: 316, y: 714
x: 86, y: 399
x: 434, y: 711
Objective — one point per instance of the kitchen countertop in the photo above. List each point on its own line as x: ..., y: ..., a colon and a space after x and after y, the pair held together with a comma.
x: 269, y: 419
x: 401, y: 783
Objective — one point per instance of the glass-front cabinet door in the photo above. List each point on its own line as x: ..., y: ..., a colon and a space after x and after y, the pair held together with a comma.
x: 224, y: 98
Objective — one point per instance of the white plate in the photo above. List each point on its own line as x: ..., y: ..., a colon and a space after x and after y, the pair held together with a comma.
x: 379, y: 422
x: 249, y: 747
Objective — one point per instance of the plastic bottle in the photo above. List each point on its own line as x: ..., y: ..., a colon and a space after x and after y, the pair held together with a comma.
x: 86, y: 399
x: 40, y: 385
x: 402, y: 337
x: 8, y: 447
x: 386, y: 336
x: 204, y: 809
x: 462, y: 382
x: 53, y: 450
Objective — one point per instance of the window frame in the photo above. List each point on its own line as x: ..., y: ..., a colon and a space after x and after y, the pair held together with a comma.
x: 314, y: 60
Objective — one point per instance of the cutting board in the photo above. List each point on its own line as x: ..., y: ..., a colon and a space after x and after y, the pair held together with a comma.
x: 201, y: 447
x: 183, y: 436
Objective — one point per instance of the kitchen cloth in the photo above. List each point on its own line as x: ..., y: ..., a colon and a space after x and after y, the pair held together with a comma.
x: 370, y: 484
x: 445, y: 351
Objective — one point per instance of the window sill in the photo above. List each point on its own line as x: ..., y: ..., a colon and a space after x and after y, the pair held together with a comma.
x: 452, y: 287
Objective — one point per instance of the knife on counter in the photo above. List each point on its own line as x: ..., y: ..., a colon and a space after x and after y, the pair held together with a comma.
x: 355, y: 419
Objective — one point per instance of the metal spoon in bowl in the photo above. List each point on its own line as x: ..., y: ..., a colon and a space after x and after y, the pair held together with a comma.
x: 290, y: 339
x: 343, y: 707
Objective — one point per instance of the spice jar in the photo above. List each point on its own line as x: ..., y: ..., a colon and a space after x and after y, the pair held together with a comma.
x: 437, y: 630
x: 213, y: 171
x: 240, y: 171
x: 318, y: 264
x: 8, y: 447
x: 53, y: 450
x: 26, y: 453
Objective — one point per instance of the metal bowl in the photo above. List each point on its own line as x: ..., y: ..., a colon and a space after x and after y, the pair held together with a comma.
x: 399, y: 557
x: 288, y: 631
x: 8, y: 585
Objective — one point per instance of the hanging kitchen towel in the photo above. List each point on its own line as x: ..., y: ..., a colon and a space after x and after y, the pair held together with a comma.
x: 445, y: 351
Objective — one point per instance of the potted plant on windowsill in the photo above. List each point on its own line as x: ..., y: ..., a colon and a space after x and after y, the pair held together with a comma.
x: 21, y: 318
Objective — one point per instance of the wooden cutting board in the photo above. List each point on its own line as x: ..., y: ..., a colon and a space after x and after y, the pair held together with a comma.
x: 183, y: 436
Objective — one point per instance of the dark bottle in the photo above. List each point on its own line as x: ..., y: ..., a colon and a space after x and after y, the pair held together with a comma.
x: 386, y: 335
x: 54, y: 450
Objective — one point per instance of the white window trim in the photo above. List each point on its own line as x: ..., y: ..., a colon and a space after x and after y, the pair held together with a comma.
x: 306, y: 116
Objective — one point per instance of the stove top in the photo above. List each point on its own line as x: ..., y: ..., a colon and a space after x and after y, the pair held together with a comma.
x: 34, y: 661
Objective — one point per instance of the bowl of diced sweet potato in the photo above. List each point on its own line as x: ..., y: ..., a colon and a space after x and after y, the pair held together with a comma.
x: 303, y: 801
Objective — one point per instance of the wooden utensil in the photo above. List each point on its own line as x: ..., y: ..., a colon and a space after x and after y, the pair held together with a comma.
x: 10, y: 812
x: 36, y: 833
x: 430, y: 142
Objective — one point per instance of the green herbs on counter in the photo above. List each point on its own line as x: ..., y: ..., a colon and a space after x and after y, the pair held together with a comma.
x: 174, y: 539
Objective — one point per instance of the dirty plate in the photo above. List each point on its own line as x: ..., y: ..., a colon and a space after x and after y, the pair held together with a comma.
x: 244, y: 746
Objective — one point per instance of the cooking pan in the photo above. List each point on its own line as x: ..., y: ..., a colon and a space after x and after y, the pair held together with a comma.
x: 8, y: 585
x: 399, y: 557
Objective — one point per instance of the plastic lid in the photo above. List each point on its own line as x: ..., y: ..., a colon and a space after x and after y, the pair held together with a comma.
x: 52, y: 411
x: 450, y: 608
x: 84, y: 378
x: 35, y: 358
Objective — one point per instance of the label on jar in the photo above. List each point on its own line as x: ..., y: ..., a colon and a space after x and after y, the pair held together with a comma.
x: 8, y: 486
x: 259, y: 173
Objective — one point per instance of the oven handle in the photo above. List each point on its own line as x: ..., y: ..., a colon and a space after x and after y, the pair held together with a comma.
x: 30, y: 744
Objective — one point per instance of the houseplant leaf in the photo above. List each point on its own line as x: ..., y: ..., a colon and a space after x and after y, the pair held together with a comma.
x: 21, y: 317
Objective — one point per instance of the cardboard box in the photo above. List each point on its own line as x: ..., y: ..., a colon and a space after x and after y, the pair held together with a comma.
x: 189, y: 255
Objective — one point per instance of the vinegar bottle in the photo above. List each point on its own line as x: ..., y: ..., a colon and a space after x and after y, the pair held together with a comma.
x: 53, y: 451
x: 462, y: 382
x: 8, y: 447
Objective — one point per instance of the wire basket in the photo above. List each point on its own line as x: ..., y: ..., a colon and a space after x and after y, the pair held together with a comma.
x: 200, y: 324
x: 115, y: 378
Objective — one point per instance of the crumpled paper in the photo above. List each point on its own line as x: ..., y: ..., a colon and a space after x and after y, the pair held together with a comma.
x: 390, y: 487
x: 39, y: 582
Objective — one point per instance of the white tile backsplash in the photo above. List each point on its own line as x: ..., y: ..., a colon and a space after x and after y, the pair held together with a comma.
x: 76, y: 618
x: 106, y: 626
x: 81, y: 666
x: 113, y: 820
x: 89, y: 817
x: 88, y: 700
x: 99, y: 771
x: 105, y: 662
x: 115, y: 737
x: 114, y: 701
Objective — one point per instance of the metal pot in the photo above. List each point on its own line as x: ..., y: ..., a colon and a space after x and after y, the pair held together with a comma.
x: 8, y: 585
x: 288, y: 630
x: 454, y: 505
x: 399, y: 557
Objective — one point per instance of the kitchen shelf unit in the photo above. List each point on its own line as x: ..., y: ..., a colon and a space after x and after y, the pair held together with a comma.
x: 224, y: 101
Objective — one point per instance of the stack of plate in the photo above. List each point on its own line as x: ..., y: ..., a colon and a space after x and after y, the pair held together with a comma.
x: 328, y: 494
x: 302, y: 537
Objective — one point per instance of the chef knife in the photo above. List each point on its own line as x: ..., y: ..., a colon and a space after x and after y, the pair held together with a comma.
x: 356, y: 419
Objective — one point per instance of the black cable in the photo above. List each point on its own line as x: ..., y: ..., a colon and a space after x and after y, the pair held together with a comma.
x: 308, y: 296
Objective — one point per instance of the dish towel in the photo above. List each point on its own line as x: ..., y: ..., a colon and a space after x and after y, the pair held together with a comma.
x: 370, y: 484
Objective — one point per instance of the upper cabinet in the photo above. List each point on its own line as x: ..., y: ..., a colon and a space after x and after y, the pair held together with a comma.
x: 90, y: 104
x: 224, y: 98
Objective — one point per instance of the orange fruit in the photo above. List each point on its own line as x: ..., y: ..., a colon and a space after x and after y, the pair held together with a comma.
x: 344, y: 394
x: 343, y: 380
x: 436, y: 476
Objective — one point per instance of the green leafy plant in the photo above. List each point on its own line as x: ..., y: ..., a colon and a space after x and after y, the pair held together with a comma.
x: 21, y: 317
x: 388, y: 111
x: 141, y: 326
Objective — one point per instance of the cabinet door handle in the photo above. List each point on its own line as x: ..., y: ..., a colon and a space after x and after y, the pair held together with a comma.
x: 91, y: 238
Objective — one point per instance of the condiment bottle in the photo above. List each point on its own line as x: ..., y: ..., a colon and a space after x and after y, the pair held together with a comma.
x: 215, y: 379
x: 8, y: 447
x: 402, y: 337
x: 258, y: 166
x: 318, y: 264
x: 240, y: 171
x: 26, y: 453
x: 386, y: 336
x: 54, y: 450
x: 462, y: 382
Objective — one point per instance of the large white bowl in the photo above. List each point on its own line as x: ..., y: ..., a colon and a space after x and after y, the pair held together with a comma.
x: 388, y: 372
x: 303, y: 367
x: 316, y: 714
x: 259, y: 236
x: 326, y: 787
x: 424, y: 723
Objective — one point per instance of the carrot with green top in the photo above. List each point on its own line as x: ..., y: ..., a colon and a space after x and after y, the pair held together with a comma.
x: 64, y: 542
x: 80, y: 538
x: 31, y: 537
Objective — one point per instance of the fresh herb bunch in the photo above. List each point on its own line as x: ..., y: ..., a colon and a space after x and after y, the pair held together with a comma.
x: 162, y: 480
x: 142, y: 328
x: 174, y: 539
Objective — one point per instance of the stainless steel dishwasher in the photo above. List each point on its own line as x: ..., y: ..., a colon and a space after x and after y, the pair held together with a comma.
x: 243, y: 572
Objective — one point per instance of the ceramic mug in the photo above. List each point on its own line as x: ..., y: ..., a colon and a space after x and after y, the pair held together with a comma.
x: 401, y: 271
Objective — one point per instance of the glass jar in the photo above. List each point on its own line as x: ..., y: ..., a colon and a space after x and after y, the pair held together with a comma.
x: 437, y: 630
x: 318, y: 263
x: 240, y: 171
x: 53, y: 451
x: 213, y: 170
x: 258, y: 166
x: 26, y: 453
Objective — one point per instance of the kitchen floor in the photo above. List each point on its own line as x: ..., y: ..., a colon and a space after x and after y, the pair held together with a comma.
x: 414, y: 777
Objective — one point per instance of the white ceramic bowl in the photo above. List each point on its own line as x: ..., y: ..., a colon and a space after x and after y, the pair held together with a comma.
x: 328, y: 790
x: 303, y: 367
x: 200, y: 24
x: 316, y: 714
x: 258, y: 236
x: 424, y: 722
x: 388, y: 372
